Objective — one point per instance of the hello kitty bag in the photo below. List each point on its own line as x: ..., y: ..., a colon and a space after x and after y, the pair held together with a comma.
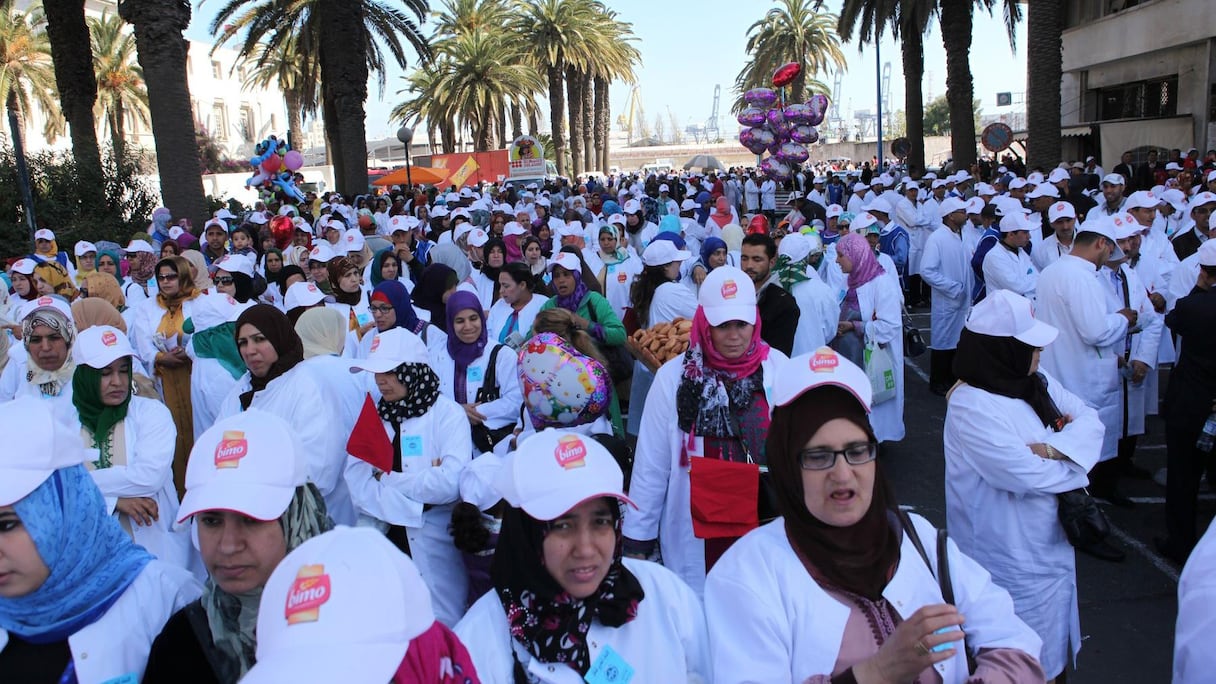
x: 562, y: 387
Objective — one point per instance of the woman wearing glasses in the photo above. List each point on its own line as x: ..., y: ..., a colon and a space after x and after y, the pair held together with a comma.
x: 842, y: 587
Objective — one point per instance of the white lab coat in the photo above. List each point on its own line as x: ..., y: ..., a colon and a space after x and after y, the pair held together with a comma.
x: 1126, y: 417
x: 946, y: 267
x: 666, y: 642
x: 819, y: 312
x: 768, y: 195
x: 660, y: 485
x: 924, y: 222
x: 1083, y: 356
x: 134, y: 294
x: 210, y: 383
x: 343, y: 390
x: 1048, y: 252
x: 1155, y: 268
x: 1005, y: 270
x: 115, y: 648
x: 1001, y: 504
x: 145, y: 319
x: 298, y: 397
x: 751, y: 196
x: 500, y: 412
x: 671, y: 300
x: 1194, y: 657
x: 880, y: 302
x: 618, y: 279
x: 13, y: 385
x: 500, y: 314
x: 430, y: 475
x: 150, y: 437
x: 485, y: 289
x: 760, y: 589
x: 363, y: 315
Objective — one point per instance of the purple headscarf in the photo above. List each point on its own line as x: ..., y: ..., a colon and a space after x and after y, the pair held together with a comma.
x: 865, y: 264
x: 571, y: 302
x: 703, y: 199
x: 463, y: 353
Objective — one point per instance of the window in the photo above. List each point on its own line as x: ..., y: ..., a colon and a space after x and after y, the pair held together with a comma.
x: 217, y: 71
x: 1139, y: 100
x: 219, y: 121
x: 240, y: 73
x: 247, y: 126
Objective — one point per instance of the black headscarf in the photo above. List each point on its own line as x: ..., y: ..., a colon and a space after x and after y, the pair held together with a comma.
x: 551, y: 624
x: 428, y: 293
x: 423, y: 387
x: 282, y: 336
x: 244, y: 287
x: 489, y: 271
x: 860, y: 558
x: 287, y: 272
x: 1001, y: 365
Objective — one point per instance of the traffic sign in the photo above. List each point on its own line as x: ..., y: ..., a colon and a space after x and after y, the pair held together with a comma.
x: 996, y: 137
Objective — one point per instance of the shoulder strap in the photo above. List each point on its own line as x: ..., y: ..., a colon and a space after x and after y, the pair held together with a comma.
x: 491, y: 377
x: 943, y: 568
x: 910, y: 530
x: 591, y: 308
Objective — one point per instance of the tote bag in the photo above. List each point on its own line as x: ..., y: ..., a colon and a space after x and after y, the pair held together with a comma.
x: 880, y: 368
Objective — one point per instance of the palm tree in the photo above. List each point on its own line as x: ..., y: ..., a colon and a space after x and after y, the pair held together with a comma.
x: 120, y: 81
x: 791, y: 32
x: 69, y: 37
x: 615, y: 59
x: 162, y: 51
x: 1044, y: 58
x: 429, y: 104
x: 465, y: 16
x: 348, y: 40
x: 281, y: 67
x: 27, y: 76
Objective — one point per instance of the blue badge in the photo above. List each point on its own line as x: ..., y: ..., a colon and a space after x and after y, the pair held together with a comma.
x: 128, y: 678
x: 411, y: 445
x: 609, y: 668
x: 476, y: 374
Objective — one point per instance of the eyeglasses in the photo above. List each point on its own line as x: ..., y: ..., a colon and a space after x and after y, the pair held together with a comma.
x: 222, y: 280
x: 380, y: 309
x: 166, y: 277
x: 825, y: 459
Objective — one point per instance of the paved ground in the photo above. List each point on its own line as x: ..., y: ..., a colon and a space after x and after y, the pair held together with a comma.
x: 1127, y: 609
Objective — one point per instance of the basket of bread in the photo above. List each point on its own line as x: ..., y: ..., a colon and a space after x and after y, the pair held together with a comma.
x: 660, y: 344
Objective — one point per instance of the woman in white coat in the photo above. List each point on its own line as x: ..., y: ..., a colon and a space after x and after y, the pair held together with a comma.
x: 842, y: 587
x: 871, y: 314
x: 1014, y: 438
x: 411, y: 497
x: 345, y: 275
x: 711, y: 402
x: 45, y: 369
x: 566, y: 607
x: 278, y: 384
x: 323, y: 335
x: 134, y: 438
x: 216, y: 363
x: 80, y: 601
x: 468, y: 364
x: 510, y: 319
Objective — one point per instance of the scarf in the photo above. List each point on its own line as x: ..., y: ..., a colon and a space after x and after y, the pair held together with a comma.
x: 514, y: 249
x: 219, y: 342
x: 464, y: 353
x: 117, y: 263
x: 428, y: 293
x: 713, y: 389
x: 436, y: 655
x: 92, y: 561
x: 423, y: 387
x: 572, y: 301
x: 865, y: 264
x: 103, y: 287
x: 322, y: 331
x: 453, y: 258
x: 669, y: 224
x: 49, y: 382
x: 274, y: 325
x: 200, y: 274
x: 392, y: 292
x: 790, y: 273
x: 721, y: 214
x: 703, y: 198
x: 550, y: 623
x: 275, y: 276
x: 143, y: 266
x: 337, y: 268
x: 378, y: 264
x: 860, y: 558
x: 57, y: 277
x: 288, y: 271
x: 91, y: 311
x: 233, y: 618
x: 1001, y: 365
x: 711, y: 245
x: 185, y: 283
x: 489, y: 271
x: 618, y: 255
x: 95, y: 415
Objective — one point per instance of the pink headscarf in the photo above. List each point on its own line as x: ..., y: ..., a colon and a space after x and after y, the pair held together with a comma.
x: 741, y: 367
x: 865, y: 264
x: 721, y: 214
x: 436, y: 655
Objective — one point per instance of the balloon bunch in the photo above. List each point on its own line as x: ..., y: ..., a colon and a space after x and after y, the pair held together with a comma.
x: 274, y: 165
x: 783, y: 130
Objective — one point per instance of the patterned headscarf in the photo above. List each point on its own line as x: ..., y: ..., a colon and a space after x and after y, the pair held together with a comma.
x: 423, y: 387
x: 50, y: 382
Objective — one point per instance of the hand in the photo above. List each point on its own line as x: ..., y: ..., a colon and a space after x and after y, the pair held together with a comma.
x: 405, y: 254
x: 902, y: 657
x: 698, y: 275
x: 1131, y: 315
x: 1039, y: 449
x: 844, y: 327
x: 168, y: 360
x: 475, y: 417
x: 142, y: 510
x: 1139, y: 370
x: 580, y: 322
x: 363, y: 329
x: 1158, y: 302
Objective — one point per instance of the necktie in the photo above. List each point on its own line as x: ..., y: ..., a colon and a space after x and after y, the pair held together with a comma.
x: 396, y: 533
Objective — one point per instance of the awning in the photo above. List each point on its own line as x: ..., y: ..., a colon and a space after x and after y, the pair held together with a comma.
x: 421, y: 175
x: 1075, y: 131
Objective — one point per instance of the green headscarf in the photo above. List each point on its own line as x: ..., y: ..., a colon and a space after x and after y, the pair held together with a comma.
x: 378, y: 261
x: 217, y: 342
x: 99, y: 418
x: 117, y: 263
x: 790, y: 274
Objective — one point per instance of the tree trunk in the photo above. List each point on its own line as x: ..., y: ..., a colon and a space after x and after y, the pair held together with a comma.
x: 295, y: 117
x: 329, y: 122
x: 73, y: 58
x: 500, y: 127
x: 484, y: 135
x: 162, y: 51
x: 533, y: 123
x: 1044, y: 56
x: 344, y: 79
x: 912, y: 47
x: 590, y: 153
x: 602, y: 122
x: 557, y: 108
x: 448, y: 133
x: 574, y: 106
x: 517, y: 121
x: 118, y: 133
x: 960, y: 91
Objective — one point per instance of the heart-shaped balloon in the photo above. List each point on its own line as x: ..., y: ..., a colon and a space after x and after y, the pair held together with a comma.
x: 781, y: 131
x: 752, y: 116
x: 562, y: 387
x: 775, y: 117
x: 786, y: 74
x: 780, y: 171
x: 760, y: 97
x: 807, y: 135
x: 763, y: 136
x: 797, y: 113
x: 792, y: 153
x: 819, y: 109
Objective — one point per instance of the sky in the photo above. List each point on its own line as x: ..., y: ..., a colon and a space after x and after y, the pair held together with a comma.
x: 690, y: 46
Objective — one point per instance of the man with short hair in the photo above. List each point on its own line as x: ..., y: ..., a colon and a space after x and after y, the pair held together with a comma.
x: 778, y: 310
x: 1062, y: 218
x: 1187, y: 242
x: 1124, y: 168
x: 1007, y: 266
x: 945, y: 269
x: 1112, y: 196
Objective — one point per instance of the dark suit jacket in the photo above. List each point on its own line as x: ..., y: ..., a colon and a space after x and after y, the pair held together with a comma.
x: 1186, y: 244
x: 778, y: 317
x: 1188, y: 398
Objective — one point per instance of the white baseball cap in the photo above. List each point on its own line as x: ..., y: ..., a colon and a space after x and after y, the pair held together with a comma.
x: 249, y: 463
x: 796, y: 246
x: 84, y: 247
x: 217, y: 223
x: 632, y: 207
x: 235, y: 263
x: 44, y: 234
x: 223, y: 213
x: 940, y: 183
x: 1043, y: 190
x: 215, y: 308
x: 1018, y: 183
x: 1211, y: 176
x: 302, y: 294
x: 984, y: 189
x: 975, y: 205
x: 862, y: 221
x: 478, y: 237
x: 1003, y: 313
x: 555, y: 470
x: 834, y: 210
x: 1113, y: 179
x: 1104, y: 227
x: 24, y: 266
x: 1057, y: 175
x: 1142, y: 199
x: 663, y: 252
x: 1124, y: 225
x: 313, y: 621
x: 1034, y: 177
x: 353, y: 240
x: 139, y: 246
x: 439, y: 211
x: 322, y: 252
x: 689, y: 204
x: 1207, y: 253
x: 101, y: 345
x: 1201, y: 199
x: 878, y: 203
x: 1014, y: 221
x: 817, y: 369
x: 48, y: 302
x: 951, y: 205
x: 1173, y: 166
x: 1061, y: 210
x: 567, y: 261
x: 398, y: 222
x: 663, y: 187
x: 794, y: 197
x: 390, y: 349
x: 513, y: 228
x: 462, y: 230
x: 258, y: 218
x: 727, y: 294
x: 46, y: 446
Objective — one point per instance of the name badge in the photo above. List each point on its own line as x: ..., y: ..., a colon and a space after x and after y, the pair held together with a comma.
x: 609, y: 668
x: 128, y: 678
x: 475, y: 374
x: 363, y: 318
x: 411, y: 446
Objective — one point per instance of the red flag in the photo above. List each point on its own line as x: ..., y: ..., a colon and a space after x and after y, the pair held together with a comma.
x: 368, y: 441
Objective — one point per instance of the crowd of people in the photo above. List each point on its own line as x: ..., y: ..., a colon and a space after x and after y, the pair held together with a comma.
x: 405, y: 437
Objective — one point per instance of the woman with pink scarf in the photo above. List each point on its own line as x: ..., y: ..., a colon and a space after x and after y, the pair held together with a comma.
x: 721, y: 216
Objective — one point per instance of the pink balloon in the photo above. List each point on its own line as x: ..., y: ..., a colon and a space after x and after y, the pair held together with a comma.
x: 293, y: 160
x: 818, y: 105
x: 763, y: 136
x: 752, y: 116
x: 797, y: 113
x: 760, y: 97
x: 792, y: 153
x: 807, y: 135
x: 775, y: 117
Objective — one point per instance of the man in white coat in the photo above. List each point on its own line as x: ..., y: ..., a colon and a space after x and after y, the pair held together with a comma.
x: 946, y: 268
x: 751, y: 195
x: 768, y: 200
x: 1063, y: 219
x: 820, y: 312
x: 1072, y: 298
x: 1007, y: 266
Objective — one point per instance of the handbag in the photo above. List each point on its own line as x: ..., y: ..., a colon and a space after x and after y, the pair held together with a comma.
x: 620, y: 361
x: 941, y: 574
x: 485, y: 438
x: 1084, y: 523
x: 880, y: 368
x: 914, y: 344
x: 728, y: 498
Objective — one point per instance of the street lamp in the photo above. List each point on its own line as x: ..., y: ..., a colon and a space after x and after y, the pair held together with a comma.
x: 406, y: 134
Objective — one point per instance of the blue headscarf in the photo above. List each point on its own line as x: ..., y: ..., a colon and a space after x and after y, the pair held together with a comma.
x: 703, y: 198
x: 670, y: 224
x: 393, y: 292
x: 673, y: 238
x: 610, y: 207
x: 92, y: 561
x: 711, y: 245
